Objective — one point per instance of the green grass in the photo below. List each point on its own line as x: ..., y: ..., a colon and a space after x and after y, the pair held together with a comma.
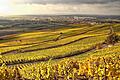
x: 33, y: 42
x: 38, y: 56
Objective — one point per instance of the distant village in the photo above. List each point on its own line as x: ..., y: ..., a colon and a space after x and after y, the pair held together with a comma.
x: 74, y: 19
x: 77, y: 19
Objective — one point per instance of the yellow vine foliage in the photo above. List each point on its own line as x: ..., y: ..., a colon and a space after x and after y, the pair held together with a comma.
x: 96, y: 68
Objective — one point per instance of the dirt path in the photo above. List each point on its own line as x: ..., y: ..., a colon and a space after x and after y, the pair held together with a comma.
x: 48, y: 58
x: 71, y: 54
x: 50, y: 47
x: 38, y: 43
x: 52, y: 39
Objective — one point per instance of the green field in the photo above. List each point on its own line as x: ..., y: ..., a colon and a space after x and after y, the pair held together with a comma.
x: 66, y: 53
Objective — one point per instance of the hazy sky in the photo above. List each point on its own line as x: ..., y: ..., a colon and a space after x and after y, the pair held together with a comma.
x: 24, y: 7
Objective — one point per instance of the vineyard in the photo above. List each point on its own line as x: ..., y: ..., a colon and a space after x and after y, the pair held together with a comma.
x: 77, y: 52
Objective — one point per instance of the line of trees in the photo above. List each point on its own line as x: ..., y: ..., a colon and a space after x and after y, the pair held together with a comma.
x: 112, y: 37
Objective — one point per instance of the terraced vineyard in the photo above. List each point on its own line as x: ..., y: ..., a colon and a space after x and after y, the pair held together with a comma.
x: 77, y: 52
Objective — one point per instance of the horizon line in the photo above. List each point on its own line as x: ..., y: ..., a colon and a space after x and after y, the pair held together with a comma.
x: 60, y: 15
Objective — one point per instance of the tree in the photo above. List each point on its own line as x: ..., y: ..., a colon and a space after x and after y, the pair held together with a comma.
x: 56, y: 39
x: 112, y: 37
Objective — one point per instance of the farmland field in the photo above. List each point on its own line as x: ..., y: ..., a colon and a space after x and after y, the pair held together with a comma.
x: 61, y: 51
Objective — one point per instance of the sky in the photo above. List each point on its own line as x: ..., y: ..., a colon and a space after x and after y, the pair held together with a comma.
x: 42, y: 7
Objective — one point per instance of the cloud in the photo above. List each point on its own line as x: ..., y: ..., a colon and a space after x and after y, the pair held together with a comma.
x: 104, y: 9
x: 66, y: 1
x: 24, y: 7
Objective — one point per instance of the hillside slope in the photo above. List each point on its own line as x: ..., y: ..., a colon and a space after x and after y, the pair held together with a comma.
x: 48, y: 49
